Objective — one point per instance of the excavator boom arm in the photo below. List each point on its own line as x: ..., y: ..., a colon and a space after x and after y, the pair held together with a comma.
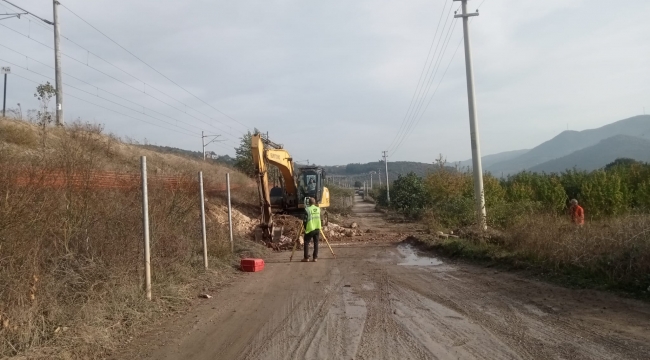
x: 283, y: 161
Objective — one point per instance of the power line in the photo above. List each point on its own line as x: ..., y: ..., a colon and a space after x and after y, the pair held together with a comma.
x: 418, y: 92
x: 416, y: 116
x: 432, y: 70
x: 442, y: 78
x: 435, y: 91
x: 437, y: 87
x: 421, y: 75
x: 152, y: 68
x: 129, y: 85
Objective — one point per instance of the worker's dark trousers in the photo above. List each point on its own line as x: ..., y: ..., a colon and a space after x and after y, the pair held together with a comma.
x: 312, y: 235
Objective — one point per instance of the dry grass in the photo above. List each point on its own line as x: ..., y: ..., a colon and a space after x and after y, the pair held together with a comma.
x: 70, y: 257
x: 611, y: 254
x: 616, y: 251
x: 17, y: 133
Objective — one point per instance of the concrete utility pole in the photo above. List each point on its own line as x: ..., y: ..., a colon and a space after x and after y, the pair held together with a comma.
x: 479, y: 195
x: 387, y: 187
x: 379, y: 176
x: 57, y: 66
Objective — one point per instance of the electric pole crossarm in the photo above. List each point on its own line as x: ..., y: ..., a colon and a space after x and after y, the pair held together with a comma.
x: 465, y: 15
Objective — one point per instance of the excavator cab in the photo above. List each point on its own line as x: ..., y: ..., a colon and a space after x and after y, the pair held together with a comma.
x: 311, y: 183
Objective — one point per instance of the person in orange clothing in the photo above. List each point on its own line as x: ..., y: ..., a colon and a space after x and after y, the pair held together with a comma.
x: 577, y: 213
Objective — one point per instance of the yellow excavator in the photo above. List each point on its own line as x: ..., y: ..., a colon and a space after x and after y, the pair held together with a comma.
x: 297, y: 186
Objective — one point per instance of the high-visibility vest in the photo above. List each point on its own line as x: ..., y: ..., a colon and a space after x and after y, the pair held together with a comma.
x: 313, y: 219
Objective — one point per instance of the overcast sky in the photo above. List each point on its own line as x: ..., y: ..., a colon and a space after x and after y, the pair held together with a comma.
x: 333, y: 80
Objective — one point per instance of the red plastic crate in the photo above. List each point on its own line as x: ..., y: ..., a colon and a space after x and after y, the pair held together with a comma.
x: 252, y: 265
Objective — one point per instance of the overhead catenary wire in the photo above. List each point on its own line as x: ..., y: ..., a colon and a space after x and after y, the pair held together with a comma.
x: 122, y: 70
x: 154, y: 69
x: 100, y: 97
x: 145, y: 84
x: 131, y: 86
x: 176, y: 131
x: 101, y: 106
x: 30, y: 13
x: 94, y: 86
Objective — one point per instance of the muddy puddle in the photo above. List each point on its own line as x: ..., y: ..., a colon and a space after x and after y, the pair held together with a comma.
x: 413, y: 258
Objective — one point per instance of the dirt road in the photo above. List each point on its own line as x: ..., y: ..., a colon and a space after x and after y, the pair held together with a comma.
x: 384, y: 300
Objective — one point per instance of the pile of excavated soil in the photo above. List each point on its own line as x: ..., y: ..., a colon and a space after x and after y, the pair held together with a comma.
x: 242, y: 224
x: 291, y: 225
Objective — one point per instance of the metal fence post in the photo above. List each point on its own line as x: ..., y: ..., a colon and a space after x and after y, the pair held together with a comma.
x: 205, y: 240
x: 145, y: 224
x: 232, y: 244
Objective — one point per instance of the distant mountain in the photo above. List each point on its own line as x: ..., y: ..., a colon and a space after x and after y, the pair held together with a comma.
x: 568, y: 142
x: 489, y: 160
x: 599, y: 155
x: 394, y: 169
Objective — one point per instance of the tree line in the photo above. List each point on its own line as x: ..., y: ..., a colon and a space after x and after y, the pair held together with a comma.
x: 622, y: 187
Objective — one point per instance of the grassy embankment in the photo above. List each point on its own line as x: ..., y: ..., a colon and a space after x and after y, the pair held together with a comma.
x: 71, y: 245
x: 612, y: 255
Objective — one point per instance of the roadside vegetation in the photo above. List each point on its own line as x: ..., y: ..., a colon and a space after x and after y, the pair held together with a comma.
x: 529, y: 222
x: 341, y: 200
x: 71, y: 248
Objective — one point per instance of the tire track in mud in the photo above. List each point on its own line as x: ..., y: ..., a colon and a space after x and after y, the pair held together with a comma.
x: 383, y: 337
x: 529, y: 331
x: 308, y: 327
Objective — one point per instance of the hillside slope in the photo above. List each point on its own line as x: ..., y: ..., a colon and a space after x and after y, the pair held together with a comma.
x: 71, y: 238
x: 568, y: 142
x: 489, y: 160
x: 599, y: 155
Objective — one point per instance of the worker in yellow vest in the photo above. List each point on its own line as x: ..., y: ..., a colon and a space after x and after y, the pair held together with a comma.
x: 312, y: 228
